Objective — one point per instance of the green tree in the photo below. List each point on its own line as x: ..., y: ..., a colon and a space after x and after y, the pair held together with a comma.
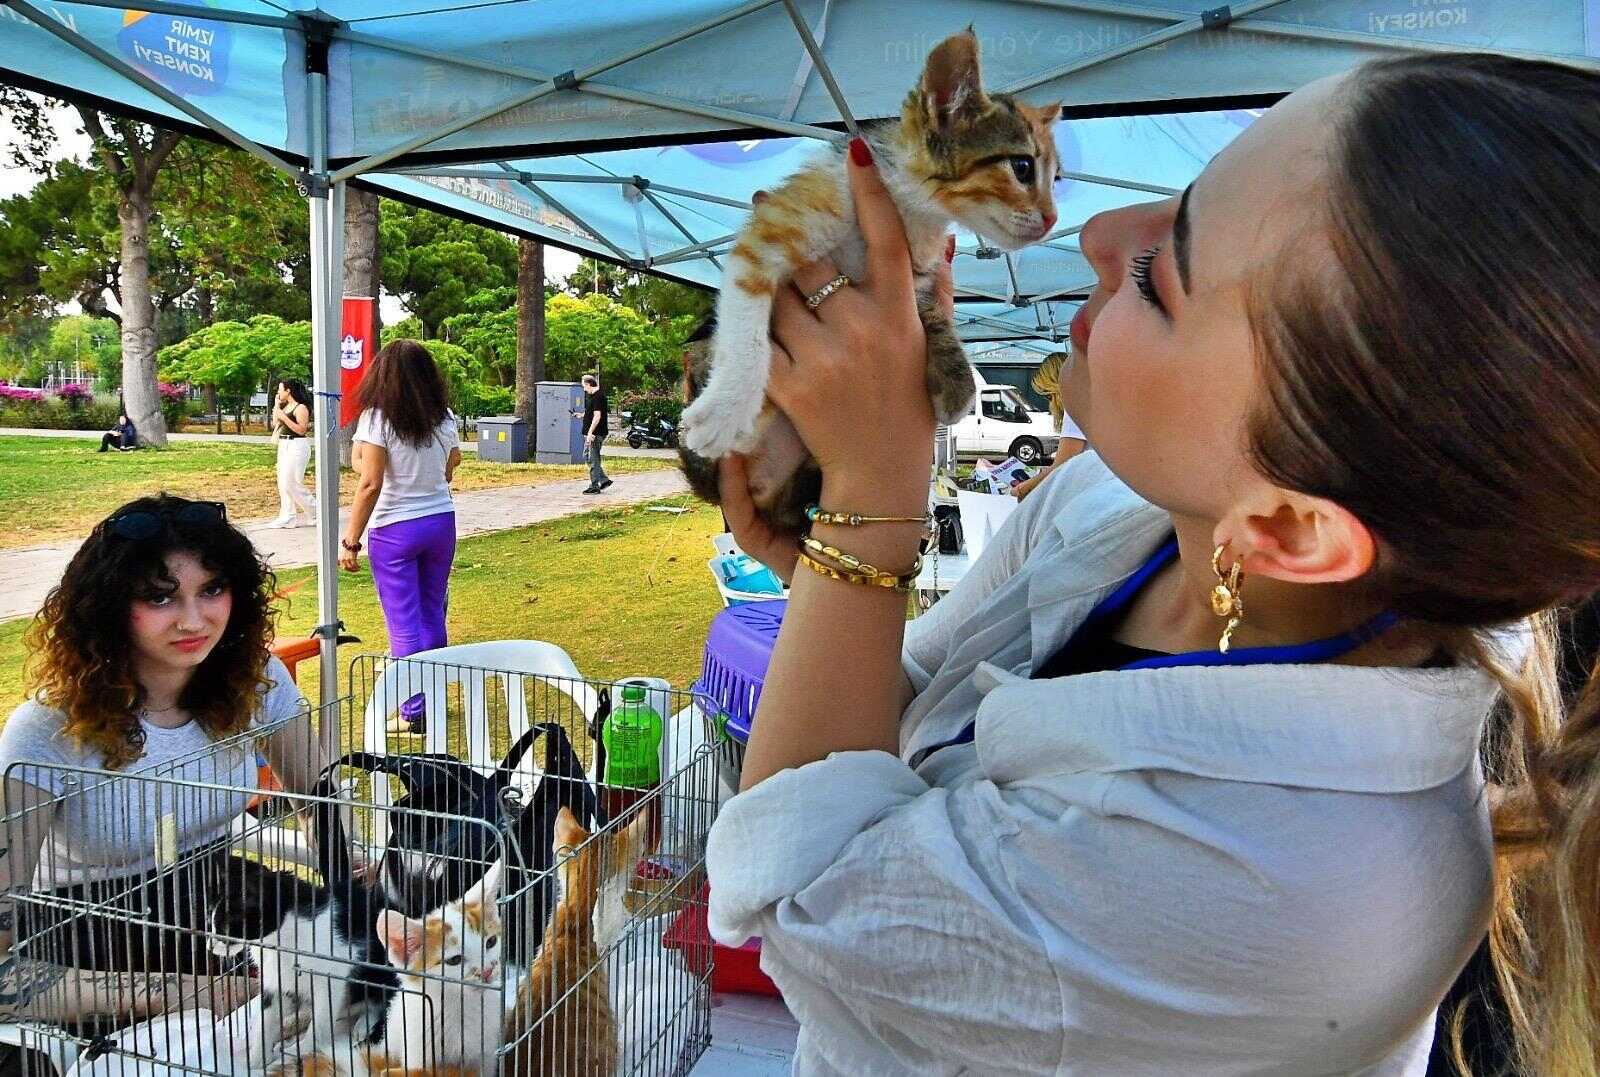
x: 434, y: 263
x: 79, y: 339
x: 240, y: 358
x: 598, y: 333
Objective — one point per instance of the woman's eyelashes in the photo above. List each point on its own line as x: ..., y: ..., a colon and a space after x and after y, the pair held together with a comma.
x: 1139, y: 270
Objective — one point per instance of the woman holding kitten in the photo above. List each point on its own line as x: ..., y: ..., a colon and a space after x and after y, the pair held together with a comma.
x: 1183, y: 777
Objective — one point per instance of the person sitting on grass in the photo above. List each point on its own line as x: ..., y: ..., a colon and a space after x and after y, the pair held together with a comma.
x: 149, y: 656
x: 124, y: 438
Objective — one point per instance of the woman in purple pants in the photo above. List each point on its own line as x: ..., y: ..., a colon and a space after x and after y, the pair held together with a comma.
x: 406, y: 451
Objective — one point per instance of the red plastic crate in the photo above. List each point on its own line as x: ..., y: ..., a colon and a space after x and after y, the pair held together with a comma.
x: 733, y: 969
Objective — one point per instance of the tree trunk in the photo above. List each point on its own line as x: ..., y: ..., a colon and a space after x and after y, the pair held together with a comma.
x: 530, y: 328
x: 362, y: 273
x: 140, y: 397
x: 214, y: 404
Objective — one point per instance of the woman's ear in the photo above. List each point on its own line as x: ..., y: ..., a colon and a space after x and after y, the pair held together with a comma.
x: 1299, y: 539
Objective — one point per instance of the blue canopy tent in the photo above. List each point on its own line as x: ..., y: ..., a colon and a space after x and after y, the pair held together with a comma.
x: 605, y: 127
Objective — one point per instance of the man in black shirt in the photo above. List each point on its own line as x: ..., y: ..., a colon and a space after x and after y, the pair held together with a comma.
x: 596, y: 411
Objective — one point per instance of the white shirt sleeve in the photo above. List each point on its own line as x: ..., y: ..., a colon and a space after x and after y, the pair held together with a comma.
x: 370, y: 428
x: 881, y: 923
x: 281, y: 699
x: 450, y: 433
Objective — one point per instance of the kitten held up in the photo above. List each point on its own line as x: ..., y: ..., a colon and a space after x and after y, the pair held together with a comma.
x: 958, y: 154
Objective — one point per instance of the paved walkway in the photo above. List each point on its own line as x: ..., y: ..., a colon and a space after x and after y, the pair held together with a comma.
x: 613, y: 447
x: 26, y: 575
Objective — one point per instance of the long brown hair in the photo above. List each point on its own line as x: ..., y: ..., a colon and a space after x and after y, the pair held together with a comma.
x: 1441, y: 380
x: 79, y: 657
x: 404, y: 383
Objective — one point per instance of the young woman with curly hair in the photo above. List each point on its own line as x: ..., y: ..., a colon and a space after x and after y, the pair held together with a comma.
x: 151, y: 651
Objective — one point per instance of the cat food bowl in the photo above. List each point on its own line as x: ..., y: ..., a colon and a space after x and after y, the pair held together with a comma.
x: 738, y: 648
x: 734, y: 969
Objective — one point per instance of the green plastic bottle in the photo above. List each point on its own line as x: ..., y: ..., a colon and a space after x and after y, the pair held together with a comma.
x: 632, y: 736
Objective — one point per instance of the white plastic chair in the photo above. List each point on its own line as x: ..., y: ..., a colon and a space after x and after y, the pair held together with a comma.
x: 473, y: 666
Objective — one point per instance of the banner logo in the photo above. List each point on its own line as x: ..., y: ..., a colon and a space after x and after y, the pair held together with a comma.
x: 188, y: 56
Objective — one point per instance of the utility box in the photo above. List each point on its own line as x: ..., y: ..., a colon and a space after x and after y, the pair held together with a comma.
x: 503, y: 439
x: 559, y: 437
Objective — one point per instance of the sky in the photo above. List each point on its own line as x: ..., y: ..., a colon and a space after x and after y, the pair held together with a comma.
x: 72, y: 143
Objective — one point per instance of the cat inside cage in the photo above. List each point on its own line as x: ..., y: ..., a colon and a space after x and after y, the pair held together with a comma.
x: 306, y: 959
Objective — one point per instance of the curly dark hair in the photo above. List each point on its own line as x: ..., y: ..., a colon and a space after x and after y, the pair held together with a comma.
x: 79, y: 652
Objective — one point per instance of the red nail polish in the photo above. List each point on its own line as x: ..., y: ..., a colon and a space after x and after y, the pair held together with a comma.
x: 859, y: 152
x: 950, y: 249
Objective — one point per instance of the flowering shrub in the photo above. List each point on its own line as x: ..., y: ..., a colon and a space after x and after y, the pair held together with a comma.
x: 172, y: 393
x: 74, y: 395
x: 9, y: 393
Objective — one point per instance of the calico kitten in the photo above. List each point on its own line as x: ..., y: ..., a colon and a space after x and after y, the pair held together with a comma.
x: 321, y: 962
x: 956, y: 153
x: 562, y: 1023
x: 451, y: 1008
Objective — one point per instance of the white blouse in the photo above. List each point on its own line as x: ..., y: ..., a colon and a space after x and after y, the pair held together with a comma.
x: 1199, y: 870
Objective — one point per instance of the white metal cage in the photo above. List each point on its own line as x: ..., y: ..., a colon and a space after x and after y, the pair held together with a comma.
x: 429, y: 906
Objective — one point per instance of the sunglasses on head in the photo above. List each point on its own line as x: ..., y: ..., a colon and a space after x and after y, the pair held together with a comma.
x: 142, y: 524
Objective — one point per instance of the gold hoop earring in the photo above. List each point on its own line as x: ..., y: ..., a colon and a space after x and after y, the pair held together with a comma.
x: 1227, y: 597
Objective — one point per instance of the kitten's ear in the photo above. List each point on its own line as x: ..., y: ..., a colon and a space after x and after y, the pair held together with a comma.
x: 402, y: 936
x: 952, y: 85
x: 1049, y: 114
x: 567, y: 830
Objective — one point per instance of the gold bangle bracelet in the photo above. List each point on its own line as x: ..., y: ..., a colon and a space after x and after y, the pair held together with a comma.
x: 819, y: 515
x: 899, y: 584
x: 850, y: 561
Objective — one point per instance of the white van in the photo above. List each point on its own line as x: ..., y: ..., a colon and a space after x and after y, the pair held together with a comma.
x: 1000, y: 424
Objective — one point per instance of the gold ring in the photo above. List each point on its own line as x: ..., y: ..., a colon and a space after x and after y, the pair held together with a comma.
x: 814, y: 300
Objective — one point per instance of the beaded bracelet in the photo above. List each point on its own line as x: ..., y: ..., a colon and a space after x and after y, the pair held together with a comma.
x: 849, y: 561
x: 899, y: 584
x: 819, y: 515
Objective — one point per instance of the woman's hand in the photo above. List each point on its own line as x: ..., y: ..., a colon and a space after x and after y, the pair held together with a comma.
x: 778, y: 550
x: 851, y: 374
x: 349, y: 560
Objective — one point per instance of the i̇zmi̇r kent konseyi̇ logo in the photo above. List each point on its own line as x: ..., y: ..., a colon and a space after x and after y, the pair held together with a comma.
x: 188, y: 56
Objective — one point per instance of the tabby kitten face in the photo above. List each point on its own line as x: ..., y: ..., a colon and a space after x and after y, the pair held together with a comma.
x: 988, y: 159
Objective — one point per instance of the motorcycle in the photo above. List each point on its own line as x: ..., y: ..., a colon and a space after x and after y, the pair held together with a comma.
x: 656, y: 432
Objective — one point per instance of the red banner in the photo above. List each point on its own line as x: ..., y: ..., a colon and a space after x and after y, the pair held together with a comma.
x: 356, y: 347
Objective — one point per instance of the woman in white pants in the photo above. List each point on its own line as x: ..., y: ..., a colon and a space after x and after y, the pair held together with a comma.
x: 291, y: 428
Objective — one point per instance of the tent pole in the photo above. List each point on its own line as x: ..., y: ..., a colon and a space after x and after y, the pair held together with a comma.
x: 1127, y: 185
x: 325, y: 382
x: 815, y: 51
x: 148, y: 84
x: 667, y: 213
x: 579, y: 221
x: 198, y: 11
x: 1139, y: 44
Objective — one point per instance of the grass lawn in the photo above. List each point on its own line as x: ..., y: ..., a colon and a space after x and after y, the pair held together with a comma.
x: 624, y: 591
x: 57, y: 488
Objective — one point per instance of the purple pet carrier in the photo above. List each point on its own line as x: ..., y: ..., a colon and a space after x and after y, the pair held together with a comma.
x: 738, y: 648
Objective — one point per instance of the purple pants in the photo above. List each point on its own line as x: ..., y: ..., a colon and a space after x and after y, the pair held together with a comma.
x: 411, y: 569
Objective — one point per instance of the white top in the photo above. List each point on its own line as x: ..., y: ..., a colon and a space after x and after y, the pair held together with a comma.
x: 414, y: 485
x: 1069, y: 429
x: 109, y: 827
x: 1224, y: 870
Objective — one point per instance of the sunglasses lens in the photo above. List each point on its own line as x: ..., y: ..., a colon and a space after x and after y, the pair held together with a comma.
x: 200, y: 513
x: 136, y: 526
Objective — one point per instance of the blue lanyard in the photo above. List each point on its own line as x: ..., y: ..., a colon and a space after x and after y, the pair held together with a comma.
x: 1321, y: 650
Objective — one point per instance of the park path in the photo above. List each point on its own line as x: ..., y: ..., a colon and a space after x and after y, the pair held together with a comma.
x: 612, y: 447
x: 26, y: 575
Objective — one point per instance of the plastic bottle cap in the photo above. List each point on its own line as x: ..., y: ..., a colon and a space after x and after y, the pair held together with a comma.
x: 633, y: 693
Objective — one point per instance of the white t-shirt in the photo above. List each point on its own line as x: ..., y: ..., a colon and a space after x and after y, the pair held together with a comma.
x: 414, y: 485
x: 1069, y: 429
x: 106, y: 827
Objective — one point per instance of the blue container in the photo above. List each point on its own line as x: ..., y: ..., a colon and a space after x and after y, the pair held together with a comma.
x: 738, y: 649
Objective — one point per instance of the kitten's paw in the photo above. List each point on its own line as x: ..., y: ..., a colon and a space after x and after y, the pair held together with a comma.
x: 716, y: 425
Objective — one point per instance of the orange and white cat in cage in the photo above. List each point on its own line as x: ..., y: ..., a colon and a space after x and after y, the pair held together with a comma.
x: 986, y: 161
